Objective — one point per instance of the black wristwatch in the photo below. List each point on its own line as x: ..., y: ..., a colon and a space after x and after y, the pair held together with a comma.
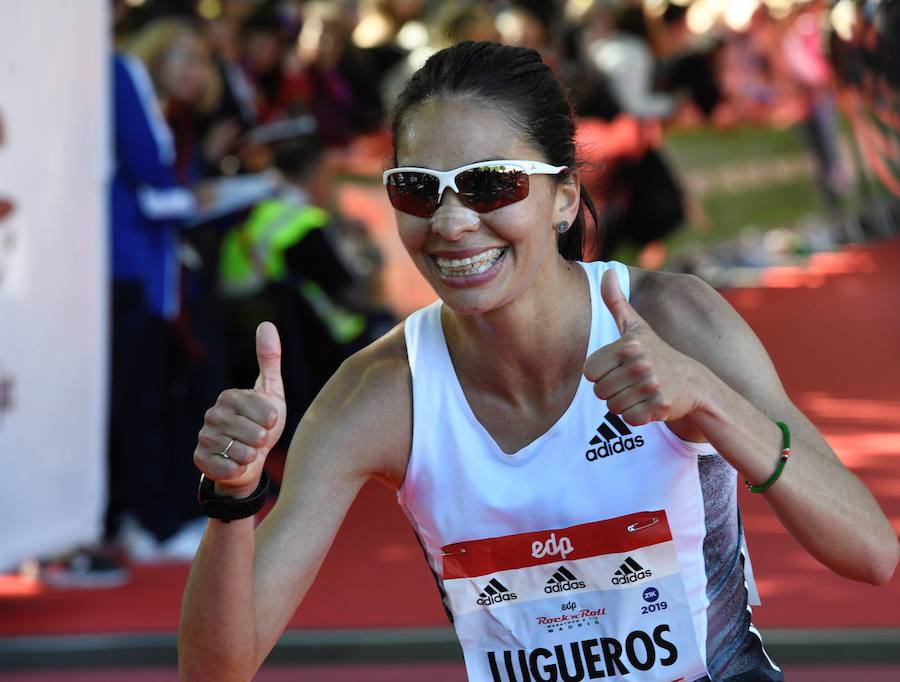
x: 227, y: 508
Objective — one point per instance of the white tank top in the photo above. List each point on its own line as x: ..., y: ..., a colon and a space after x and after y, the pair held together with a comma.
x: 578, y: 557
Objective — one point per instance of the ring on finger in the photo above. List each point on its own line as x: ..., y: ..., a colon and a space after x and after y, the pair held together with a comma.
x: 224, y: 453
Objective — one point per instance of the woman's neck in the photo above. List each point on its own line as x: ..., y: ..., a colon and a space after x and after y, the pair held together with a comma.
x: 528, y: 347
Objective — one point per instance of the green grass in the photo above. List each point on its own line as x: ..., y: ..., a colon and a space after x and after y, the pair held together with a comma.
x: 705, y: 147
x: 781, y: 203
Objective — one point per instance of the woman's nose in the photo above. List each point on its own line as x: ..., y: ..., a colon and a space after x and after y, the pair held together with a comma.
x: 452, y: 219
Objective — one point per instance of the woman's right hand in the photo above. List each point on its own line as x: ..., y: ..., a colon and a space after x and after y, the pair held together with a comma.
x: 254, y: 418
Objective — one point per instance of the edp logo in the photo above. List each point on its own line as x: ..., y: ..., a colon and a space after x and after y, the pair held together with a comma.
x: 552, y: 547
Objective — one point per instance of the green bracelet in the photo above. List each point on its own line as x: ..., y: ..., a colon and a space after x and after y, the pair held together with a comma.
x: 785, y: 453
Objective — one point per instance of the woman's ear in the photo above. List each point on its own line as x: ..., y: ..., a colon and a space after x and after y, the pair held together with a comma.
x: 568, y: 199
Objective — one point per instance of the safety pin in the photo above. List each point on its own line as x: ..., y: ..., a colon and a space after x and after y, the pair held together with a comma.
x: 633, y: 527
x: 461, y: 550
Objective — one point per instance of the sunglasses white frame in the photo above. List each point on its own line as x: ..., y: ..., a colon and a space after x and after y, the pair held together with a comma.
x: 448, y: 178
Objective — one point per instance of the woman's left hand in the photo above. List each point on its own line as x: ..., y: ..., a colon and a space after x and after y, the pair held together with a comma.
x: 713, y: 370
x: 640, y: 376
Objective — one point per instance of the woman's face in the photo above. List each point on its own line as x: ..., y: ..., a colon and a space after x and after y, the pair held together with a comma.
x: 447, y: 134
x: 262, y: 51
x: 321, y: 42
x: 184, y: 68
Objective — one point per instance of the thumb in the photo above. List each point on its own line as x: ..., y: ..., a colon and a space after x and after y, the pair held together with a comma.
x: 625, y: 316
x: 268, y: 355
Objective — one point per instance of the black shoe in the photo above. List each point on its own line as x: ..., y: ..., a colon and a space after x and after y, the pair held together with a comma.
x: 86, y: 568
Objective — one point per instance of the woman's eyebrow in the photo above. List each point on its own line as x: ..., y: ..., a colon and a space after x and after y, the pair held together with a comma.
x: 484, y: 160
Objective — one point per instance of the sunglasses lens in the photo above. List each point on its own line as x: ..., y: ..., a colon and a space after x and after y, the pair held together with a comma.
x: 490, y: 187
x: 414, y: 193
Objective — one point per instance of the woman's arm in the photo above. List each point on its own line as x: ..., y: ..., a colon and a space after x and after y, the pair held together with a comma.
x: 244, y: 587
x: 687, y: 358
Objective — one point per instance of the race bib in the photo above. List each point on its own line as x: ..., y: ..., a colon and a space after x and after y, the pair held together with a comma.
x: 599, y: 600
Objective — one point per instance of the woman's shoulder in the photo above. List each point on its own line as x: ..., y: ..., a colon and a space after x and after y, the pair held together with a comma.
x: 649, y: 287
x: 369, y: 400
x: 380, y: 370
x: 682, y: 309
x: 382, y: 363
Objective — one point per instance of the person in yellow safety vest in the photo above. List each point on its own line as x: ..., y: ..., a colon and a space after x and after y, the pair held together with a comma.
x: 292, y: 261
x: 254, y: 255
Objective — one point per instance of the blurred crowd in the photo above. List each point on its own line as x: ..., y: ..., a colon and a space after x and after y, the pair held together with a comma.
x: 237, y: 120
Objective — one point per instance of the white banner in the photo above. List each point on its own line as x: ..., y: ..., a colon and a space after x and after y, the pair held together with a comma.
x: 54, y: 131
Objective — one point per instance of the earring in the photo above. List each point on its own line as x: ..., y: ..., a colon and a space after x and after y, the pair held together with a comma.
x: 562, y: 226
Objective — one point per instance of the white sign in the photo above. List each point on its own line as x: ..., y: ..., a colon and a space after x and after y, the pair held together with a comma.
x: 54, y: 130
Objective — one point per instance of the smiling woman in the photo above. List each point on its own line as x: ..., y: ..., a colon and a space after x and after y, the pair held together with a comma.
x: 550, y: 426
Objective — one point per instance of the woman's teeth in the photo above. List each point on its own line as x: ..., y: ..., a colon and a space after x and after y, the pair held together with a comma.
x: 473, y: 265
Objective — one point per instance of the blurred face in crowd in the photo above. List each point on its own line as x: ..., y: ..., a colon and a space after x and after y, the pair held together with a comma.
x: 518, y: 240
x: 479, y: 29
x: 262, y: 50
x: 223, y: 38
x: 405, y: 10
x: 238, y: 10
x: 521, y: 28
x: 597, y: 24
x: 184, y: 68
x: 321, y: 41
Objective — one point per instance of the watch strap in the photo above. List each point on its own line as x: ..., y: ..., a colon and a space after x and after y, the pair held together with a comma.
x: 227, y: 508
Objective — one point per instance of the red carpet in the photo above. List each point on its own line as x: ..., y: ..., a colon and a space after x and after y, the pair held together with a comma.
x: 443, y: 672
x: 833, y: 330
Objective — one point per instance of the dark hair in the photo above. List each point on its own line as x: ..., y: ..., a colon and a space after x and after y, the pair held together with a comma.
x: 265, y: 19
x: 631, y: 20
x: 525, y: 90
x: 298, y: 157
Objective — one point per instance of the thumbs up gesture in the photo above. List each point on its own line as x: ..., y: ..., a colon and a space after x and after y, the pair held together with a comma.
x: 640, y: 376
x: 240, y: 429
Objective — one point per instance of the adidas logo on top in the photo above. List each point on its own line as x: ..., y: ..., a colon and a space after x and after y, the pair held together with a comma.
x: 630, y: 572
x: 613, y: 437
x: 495, y: 592
x: 563, y: 581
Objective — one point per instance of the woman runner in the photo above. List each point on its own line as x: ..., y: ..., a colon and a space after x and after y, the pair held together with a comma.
x: 565, y: 437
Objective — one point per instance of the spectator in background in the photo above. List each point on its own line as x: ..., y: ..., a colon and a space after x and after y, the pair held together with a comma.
x: 688, y: 64
x: 294, y: 262
x: 339, y: 89
x: 236, y: 104
x: 167, y: 67
x: 377, y: 32
x: 452, y: 22
x: 277, y: 92
x: 459, y: 21
x: 748, y: 72
x: 618, y: 47
x: 529, y: 23
x: 639, y: 198
x: 806, y: 67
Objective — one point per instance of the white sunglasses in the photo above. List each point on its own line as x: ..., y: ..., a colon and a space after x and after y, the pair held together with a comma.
x: 483, y: 186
